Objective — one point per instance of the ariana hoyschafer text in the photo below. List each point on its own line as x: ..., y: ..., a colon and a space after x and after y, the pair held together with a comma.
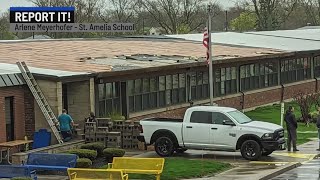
x: 72, y: 27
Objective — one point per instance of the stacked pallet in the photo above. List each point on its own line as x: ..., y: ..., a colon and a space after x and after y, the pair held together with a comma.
x: 114, y: 134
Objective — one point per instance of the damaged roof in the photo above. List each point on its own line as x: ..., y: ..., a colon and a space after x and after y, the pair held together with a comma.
x: 72, y: 56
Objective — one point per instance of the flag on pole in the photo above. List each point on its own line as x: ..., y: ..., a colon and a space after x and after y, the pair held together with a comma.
x: 205, y: 43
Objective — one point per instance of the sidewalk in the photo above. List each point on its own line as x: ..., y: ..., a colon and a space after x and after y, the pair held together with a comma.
x: 269, y: 170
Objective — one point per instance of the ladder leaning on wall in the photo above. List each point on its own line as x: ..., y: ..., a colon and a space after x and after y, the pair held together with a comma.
x: 40, y: 98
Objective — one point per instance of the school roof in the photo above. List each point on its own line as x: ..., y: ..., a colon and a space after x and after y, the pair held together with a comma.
x: 78, y: 57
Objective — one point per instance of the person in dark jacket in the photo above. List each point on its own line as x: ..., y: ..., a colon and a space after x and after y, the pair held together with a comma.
x: 318, y: 126
x: 291, y: 128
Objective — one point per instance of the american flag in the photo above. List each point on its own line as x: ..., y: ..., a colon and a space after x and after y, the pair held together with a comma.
x: 205, y: 43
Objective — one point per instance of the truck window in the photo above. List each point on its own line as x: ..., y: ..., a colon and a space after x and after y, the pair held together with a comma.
x: 240, y: 117
x: 218, y: 118
x: 201, y: 117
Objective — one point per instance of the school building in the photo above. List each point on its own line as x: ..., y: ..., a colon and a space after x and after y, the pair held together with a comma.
x: 140, y: 77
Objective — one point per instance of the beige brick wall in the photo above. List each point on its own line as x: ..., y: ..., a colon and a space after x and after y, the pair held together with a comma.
x: 79, y: 101
x: 49, y: 89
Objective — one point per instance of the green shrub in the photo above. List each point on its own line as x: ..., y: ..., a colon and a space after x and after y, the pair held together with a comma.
x: 83, y: 153
x: 109, y: 153
x: 83, y: 163
x: 94, y: 146
x: 21, y: 178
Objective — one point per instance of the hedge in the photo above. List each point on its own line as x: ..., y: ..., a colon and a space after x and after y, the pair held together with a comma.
x: 94, y: 146
x: 83, y: 153
x: 83, y: 163
x: 109, y: 153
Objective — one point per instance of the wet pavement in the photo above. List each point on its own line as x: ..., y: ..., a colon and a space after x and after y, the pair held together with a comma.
x: 309, y: 170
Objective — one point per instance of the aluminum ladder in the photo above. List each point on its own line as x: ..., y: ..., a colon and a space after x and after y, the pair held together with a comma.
x: 40, y: 98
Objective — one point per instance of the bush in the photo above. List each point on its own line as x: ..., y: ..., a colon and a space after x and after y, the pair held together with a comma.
x: 83, y: 163
x: 109, y: 153
x: 83, y: 153
x: 94, y: 146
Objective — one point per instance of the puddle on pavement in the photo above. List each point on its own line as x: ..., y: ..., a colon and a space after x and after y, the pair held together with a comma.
x: 254, y: 169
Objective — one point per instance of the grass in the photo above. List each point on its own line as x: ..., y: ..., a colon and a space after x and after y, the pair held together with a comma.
x: 180, y: 168
x: 272, y: 114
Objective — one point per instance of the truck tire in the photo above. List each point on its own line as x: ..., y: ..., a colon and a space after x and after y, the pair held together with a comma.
x: 267, y: 153
x: 164, y: 146
x: 251, y: 150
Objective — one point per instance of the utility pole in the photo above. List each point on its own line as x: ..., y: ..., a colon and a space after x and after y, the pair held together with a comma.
x: 210, y: 55
x: 226, y: 23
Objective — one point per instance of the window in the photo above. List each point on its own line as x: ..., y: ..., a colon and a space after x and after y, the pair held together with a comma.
x: 218, y: 118
x: 295, y: 70
x: 317, y: 66
x: 199, y: 85
x: 201, y: 117
x: 156, y: 92
x: 239, y: 117
x: 9, y: 116
x: 226, y: 81
x: 109, y: 98
x: 259, y: 75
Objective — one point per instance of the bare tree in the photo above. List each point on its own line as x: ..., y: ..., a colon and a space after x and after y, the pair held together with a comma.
x: 312, y: 10
x: 173, y: 15
x: 272, y: 13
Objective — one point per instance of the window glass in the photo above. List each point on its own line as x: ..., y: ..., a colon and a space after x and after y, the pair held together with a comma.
x: 138, y: 86
x: 239, y: 117
x: 205, y: 78
x: 218, y: 75
x: 162, y: 83
x: 199, y: 78
x: 131, y: 87
x: 218, y: 118
x: 108, y: 90
x: 153, y: 84
x: 228, y: 73
x: 223, y: 74
x: 101, y: 91
x: 201, y: 117
x: 234, y: 73
x: 168, y: 82
x: 146, y: 85
x: 175, y: 79
x: 182, y: 80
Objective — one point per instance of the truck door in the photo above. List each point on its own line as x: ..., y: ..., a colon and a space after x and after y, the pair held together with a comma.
x: 224, y: 134
x: 196, y: 133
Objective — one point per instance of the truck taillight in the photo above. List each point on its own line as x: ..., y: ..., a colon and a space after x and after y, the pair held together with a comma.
x: 140, y: 128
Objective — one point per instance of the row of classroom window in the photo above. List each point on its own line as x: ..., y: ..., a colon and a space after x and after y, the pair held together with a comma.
x: 161, y: 91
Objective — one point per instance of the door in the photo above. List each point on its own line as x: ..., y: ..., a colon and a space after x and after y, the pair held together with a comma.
x: 196, y: 134
x: 225, y: 136
x: 9, y: 116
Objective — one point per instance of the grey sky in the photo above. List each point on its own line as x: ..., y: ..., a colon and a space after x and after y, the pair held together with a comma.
x: 6, y: 4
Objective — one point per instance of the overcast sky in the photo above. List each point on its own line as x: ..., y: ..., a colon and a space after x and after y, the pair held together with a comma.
x: 5, y: 4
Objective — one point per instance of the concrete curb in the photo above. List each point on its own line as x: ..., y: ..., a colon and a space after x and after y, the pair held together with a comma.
x: 281, y: 171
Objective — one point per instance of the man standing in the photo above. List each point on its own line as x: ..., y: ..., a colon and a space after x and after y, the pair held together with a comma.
x: 318, y: 126
x: 66, y: 124
x: 291, y: 128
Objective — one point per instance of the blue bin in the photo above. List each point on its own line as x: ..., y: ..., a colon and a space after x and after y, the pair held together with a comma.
x: 42, y: 138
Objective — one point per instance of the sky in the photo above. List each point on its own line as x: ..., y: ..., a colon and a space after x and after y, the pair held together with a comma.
x: 6, y: 4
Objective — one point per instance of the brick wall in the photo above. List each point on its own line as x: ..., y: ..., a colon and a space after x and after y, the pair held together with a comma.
x: 29, y: 113
x: 251, y: 98
x: 22, y: 110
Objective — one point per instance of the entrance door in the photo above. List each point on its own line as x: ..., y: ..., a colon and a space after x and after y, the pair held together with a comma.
x: 9, y: 116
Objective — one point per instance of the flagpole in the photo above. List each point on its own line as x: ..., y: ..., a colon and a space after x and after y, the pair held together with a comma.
x: 210, y: 56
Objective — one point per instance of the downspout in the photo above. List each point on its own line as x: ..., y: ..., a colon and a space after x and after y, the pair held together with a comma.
x: 316, y: 84
x: 282, y: 93
x: 242, y: 101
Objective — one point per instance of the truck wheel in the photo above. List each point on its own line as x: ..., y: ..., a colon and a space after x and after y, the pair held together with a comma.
x: 267, y: 152
x: 251, y: 150
x: 164, y: 146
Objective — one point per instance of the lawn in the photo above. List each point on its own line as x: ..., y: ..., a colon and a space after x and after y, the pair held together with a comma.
x: 272, y: 114
x: 180, y: 168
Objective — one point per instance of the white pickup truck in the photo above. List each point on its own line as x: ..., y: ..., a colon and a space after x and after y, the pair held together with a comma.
x: 212, y: 128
